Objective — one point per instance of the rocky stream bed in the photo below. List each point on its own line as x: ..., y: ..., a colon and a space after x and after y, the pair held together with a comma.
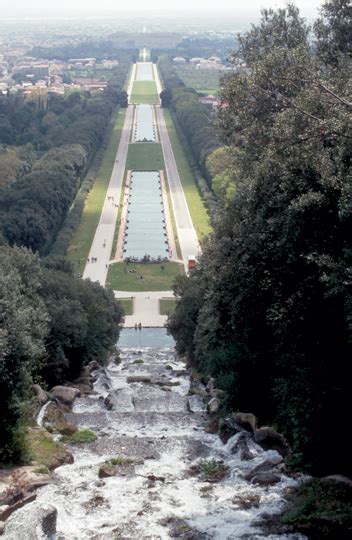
x: 154, y: 472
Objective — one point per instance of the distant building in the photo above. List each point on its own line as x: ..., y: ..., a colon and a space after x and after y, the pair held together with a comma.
x: 179, y: 60
x: 210, y: 101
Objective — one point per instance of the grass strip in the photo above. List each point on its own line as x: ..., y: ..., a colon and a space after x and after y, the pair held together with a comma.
x: 127, y: 305
x: 167, y: 306
x: 83, y: 238
x: 196, y: 206
x: 145, y: 157
x: 144, y: 92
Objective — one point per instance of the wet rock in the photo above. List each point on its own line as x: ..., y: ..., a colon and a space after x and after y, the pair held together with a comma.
x: 266, y: 479
x: 2, y: 527
x: 106, y: 470
x: 138, y: 378
x: 264, y: 467
x: 246, y: 421
x: 83, y: 381
x: 109, y: 402
x: 196, y: 404
x: 13, y: 507
x: 197, y: 387
x: 212, y: 426
x: 269, y: 439
x: 55, y: 420
x: 241, y: 446
x: 65, y: 395
x: 36, y: 520
x: 93, y: 366
x: 228, y: 428
x: 217, y: 393
x: 338, y: 478
x: 246, y: 501
x: 40, y: 394
x: 210, y: 385
x: 213, y: 406
x: 160, y: 381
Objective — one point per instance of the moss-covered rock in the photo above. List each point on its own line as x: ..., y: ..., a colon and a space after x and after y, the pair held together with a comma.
x: 321, y: 509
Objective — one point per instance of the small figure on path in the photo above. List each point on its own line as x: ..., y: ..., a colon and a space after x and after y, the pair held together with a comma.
x: 88, y: 260
x: 135, y: 326
x: 139, y: 326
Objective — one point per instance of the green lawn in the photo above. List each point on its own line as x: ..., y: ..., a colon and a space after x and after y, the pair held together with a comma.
x: 143, y: 277
x: 145, y: 157
x: 144, y: 92
x: 82, y: 240
x: 127, y: 305
x: 167, y: 306
x: 206, y: 81
x: 196, y: 207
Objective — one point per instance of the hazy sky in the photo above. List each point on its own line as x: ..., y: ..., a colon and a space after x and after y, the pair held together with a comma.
x: 22, y: 8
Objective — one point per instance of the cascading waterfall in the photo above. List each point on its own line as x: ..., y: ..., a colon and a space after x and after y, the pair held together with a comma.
x: 149, y: 424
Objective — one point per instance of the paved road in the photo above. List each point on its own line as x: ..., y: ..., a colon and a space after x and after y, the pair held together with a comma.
x: 131, y: 81
x: 145, y: 307
x: 186, y: 233
x: 104, y: 234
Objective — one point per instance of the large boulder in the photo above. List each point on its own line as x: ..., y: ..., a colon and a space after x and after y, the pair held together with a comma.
x: 265, y: 467
x: 40, y: 394
x: 266, y: 479
x: 269, y: 439
x: 35, y: 521
x: 241, y: 446
x: 210, y: 385
x: 93, y: 366
x: 65, y: 395
x: 55, y: 420
x: 246, y: 421
x: 196, y: 404
x: 213, y: 406
x: 227, y: 428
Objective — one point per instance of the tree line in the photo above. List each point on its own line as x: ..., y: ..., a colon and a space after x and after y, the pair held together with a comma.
x: 49, y: 152
x: 51, y: 322
x: 268, y: 310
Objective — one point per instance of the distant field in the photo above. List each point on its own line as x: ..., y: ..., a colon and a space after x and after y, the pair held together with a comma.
x: 205, y: 81
x: 82, y: 240
x: 144, y: 92
x: 145, y: 157
x: 143, y: 277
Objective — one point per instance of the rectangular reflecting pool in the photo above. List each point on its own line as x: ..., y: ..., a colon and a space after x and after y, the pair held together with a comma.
x: 145, y: 233
x: 144, y: 71
x: 145, y: 128
x: 147, y: 337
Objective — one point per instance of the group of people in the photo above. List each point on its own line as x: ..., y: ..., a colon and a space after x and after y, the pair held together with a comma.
x: 92, y: 259
x: 138, y: 326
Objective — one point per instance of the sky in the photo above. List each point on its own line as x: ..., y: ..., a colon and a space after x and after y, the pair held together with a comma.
x: 244, y: 8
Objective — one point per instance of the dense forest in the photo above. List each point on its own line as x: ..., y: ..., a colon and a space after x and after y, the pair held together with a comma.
x: 195, y: 118
x: 45, y: 150
x: 268, y: 310
x: 51, y: 322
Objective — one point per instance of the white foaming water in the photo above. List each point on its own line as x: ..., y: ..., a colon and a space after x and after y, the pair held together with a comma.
x: 152, y: 424
x: 41, y: 414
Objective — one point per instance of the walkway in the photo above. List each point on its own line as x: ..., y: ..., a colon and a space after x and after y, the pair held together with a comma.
x: 187, y: 235
x: 104, y: 234
x: 146, y: 308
